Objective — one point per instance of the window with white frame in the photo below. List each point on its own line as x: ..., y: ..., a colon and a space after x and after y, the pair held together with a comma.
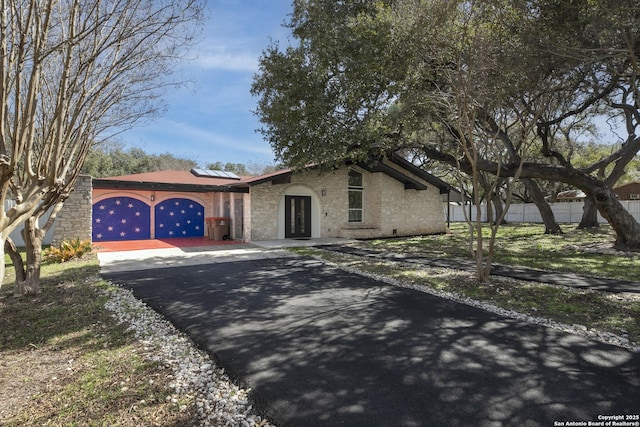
x: 355, y: 196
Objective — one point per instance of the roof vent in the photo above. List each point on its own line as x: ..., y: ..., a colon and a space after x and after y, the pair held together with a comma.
x: 207, y: 173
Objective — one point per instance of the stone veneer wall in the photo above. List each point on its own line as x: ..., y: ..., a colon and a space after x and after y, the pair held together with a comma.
x: 407, y: 212
x: 394, y: 211
x: 74, y: 220
x: 263, y: 211
x: 267, y: 203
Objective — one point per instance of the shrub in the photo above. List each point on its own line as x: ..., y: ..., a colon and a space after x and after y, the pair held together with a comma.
x: 67, y: 250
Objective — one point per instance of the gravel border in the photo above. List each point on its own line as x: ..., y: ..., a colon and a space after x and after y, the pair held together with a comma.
x: 218, y: 401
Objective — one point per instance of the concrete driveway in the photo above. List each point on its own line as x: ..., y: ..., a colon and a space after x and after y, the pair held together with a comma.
x: 319, y: 346
x: 176, y: 256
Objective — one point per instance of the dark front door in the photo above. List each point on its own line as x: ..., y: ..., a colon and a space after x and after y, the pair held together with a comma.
x: 297, y: 221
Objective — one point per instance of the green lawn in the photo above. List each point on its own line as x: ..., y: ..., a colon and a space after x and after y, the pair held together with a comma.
x: 65, y: 361
x: 526, y: 245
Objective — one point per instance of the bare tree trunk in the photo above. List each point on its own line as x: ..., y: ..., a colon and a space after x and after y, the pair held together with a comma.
x: 2, y: 265
x: 498, y: 209
x: 71, y: 76
x: 11, y: 250
x: 33, y: 237
x: 550, y: 224
x: 623, y: 223
x: 589, y: 214
x: 492, y: 192
x: 548, y: 218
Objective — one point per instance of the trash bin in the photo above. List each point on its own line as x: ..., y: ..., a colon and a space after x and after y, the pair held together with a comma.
x: 218, y: 228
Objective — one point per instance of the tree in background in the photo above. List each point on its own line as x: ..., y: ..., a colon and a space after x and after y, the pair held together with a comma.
x: 602, y: 160
x: 239, y: 169
x: 242, y: 169
x: 113, y: 160
x: 72, y: 74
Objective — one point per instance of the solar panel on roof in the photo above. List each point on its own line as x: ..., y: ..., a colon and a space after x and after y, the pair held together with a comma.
x: 228, y: 174
x: 207, y: 173
x: 199, y: 172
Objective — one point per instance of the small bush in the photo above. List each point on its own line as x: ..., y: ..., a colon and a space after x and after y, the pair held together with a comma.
x: 67, y: 250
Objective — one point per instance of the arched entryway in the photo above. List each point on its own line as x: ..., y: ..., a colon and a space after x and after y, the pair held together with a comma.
x: 299, y: 213
x: 297, y: 217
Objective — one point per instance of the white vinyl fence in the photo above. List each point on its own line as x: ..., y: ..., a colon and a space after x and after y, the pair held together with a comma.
x: 565, y: 212
x: 17, y: 237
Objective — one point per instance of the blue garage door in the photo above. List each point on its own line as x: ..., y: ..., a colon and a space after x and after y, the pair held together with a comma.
x: 179, y: 218
x: 121, y: 218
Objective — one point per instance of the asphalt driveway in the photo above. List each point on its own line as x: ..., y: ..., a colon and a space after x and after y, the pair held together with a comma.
x: 319, y: 346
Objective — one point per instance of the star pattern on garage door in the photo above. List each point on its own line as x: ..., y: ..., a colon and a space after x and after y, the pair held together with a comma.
x: 179, y: 218
x: 120, y: 218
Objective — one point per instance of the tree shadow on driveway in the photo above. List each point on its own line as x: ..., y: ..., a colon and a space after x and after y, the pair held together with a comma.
x: 320, y: 346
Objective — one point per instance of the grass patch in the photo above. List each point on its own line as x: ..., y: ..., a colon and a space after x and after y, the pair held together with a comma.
x: 65, y: 361
x: 526, y: 245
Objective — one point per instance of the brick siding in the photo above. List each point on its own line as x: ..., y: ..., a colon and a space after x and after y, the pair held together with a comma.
x: 389, y: 209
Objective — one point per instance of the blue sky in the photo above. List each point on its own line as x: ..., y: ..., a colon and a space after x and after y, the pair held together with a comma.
x: 211, y: 119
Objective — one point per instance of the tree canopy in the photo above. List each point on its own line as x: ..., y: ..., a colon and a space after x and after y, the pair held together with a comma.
x: 114, y: 160
x: 500, y: 87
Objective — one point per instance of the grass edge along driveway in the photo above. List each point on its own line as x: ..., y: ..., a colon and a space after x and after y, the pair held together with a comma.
x: 524, y: 245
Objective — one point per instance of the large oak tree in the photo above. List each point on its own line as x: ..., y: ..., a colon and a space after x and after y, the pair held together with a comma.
x: 363, y: 78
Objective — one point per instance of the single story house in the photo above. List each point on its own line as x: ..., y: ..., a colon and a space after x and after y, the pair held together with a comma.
x: 389, y: 198
x: 570, y: 196
x: 628, y: 191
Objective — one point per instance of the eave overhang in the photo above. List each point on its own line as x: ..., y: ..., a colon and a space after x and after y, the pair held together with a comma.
x: 162, y: 186
x: 433, y: 180
x: 409, y: 183
x: 280, y: 178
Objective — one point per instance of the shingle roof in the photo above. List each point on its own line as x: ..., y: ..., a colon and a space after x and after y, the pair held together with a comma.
x: 627, y: 184
x: 177, y: 177
x: 254, y: 180
x: 173, y: 180
x: 187, y: 181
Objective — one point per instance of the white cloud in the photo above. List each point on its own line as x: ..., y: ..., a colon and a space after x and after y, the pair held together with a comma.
x: 244, y: 62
